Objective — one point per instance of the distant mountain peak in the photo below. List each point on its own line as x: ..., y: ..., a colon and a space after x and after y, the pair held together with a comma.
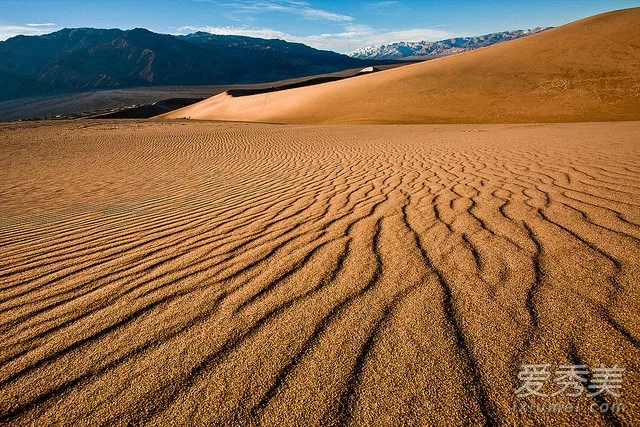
x: 425, y: 49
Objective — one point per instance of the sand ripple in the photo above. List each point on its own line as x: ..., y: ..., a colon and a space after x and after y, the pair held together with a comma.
x: 219, y: 274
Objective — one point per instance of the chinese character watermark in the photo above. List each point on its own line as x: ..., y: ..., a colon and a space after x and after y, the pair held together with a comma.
x: 533, y: 378
x: 570, y: 381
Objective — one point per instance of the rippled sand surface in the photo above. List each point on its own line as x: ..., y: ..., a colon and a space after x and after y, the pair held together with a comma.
x: 237, y: 274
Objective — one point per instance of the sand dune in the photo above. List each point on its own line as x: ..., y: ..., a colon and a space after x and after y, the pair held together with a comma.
x: 588, y: 70
x: 87, y: 104
x: 234, y: 274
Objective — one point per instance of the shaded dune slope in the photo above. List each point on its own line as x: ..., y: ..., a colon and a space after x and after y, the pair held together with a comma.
x: 237, y: 274
x: 588, y: 70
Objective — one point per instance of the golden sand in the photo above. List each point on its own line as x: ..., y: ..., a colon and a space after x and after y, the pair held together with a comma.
x: 172, y: 273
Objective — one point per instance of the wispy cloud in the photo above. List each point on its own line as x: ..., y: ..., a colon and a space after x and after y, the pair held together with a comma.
x: 353, y: 36
x: 263, y: 33
x: 7, y: 31
x: 384, y: 3
x: 300, y: 8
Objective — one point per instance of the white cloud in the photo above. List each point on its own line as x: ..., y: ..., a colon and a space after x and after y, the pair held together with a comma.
x: 323, y: 14
x: 263, y: 33
x: 286, y: 6
x: 353, y: 36
x: 7, y: 31
x: 384, y: 3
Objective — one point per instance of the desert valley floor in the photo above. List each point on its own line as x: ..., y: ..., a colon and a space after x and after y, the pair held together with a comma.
x: 232, y: 274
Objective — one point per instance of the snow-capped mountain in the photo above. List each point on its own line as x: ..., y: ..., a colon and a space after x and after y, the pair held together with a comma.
x: 424, y: 49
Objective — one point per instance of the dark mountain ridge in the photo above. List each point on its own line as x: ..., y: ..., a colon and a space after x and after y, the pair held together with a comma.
x: 81, y: 59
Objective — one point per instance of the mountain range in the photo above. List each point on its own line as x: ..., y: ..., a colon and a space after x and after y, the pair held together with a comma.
x: 76, y: 60
x: 426, y: 50
x: 82, y: 59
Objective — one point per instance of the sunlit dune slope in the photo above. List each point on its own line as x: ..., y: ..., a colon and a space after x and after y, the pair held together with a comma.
x: 588, y: 70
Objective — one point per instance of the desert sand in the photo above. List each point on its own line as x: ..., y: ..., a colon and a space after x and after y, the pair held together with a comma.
x: 588, y: 70
x: 94, y: 103
x: 202, y: 273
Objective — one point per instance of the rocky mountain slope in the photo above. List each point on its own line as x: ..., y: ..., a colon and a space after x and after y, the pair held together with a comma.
x: 81, y: 59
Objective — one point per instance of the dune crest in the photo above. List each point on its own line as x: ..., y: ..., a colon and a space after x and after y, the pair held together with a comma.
x: 588, y: 70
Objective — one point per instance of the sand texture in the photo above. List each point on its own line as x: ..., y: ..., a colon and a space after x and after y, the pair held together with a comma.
x: 588, y: 70
x: 173, y: 273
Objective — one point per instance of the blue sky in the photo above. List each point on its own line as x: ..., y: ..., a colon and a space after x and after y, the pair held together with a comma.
x: 337, y: 25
